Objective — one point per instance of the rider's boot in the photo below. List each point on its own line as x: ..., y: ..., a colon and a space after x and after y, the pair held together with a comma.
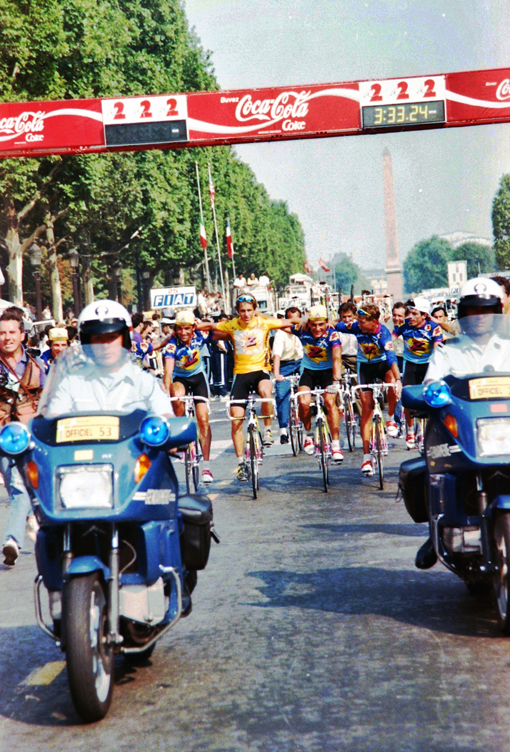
x: 426, y: 556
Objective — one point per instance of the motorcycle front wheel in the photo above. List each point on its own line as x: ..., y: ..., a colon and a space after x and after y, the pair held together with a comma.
x: 501, y: 575
x: 90, y: 660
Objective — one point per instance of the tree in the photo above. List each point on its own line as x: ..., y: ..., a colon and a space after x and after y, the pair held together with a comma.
x: 480, y: 258
x: 426, y: 265
x: 501, y: 223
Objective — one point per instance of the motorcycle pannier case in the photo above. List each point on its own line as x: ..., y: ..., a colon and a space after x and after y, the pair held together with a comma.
x: 197, y: 516
x: 412, y: 484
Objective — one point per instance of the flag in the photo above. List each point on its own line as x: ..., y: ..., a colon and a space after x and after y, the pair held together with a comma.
x: 307, y: 267
x: 203, y: 236
x: 212, y: 192
x: 230, y: 245
x: 323, y: 265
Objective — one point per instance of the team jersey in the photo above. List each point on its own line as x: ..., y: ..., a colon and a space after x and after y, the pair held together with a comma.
x: 140, y: 350
x: 45, y: 360
x: 317, y: 353
x: 372, y: 348
x: 250, y: 341
x: 419, y: 341
x: 188, y: 359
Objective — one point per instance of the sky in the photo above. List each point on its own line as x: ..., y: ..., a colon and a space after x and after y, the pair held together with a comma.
x: 445, y: 180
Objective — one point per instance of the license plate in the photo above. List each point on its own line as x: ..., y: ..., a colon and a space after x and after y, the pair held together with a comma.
x: 491, y: 388
x: 88, y: 428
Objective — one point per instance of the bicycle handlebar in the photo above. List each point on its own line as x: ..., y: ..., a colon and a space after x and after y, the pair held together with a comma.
x: 244, y: 403
x: 373, y: 387
x: 191, y: 399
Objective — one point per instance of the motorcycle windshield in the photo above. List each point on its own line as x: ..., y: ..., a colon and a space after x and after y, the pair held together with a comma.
x: 480, y: 347
x: 102, y: 378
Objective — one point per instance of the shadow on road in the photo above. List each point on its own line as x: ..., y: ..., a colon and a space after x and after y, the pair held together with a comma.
x: 430, y: 600
x: 366, y: 528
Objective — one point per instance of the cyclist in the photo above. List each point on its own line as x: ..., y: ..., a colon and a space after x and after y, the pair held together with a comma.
x: 249, y: 334
x: 420, y: 336
x: 321, y: 369
x: 184, y: 374
x: 376, y: 360
x: 287, y: 355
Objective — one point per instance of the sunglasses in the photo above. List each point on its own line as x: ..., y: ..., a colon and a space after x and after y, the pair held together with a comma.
x: 361, y: 312
x: 245, y: 299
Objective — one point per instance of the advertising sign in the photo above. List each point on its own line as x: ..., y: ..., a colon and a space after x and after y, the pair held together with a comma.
x: 174, y: 297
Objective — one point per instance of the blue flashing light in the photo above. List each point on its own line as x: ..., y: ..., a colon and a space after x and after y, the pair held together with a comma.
x: 154, y: 431
x: 437, y: 394
x: 14, y: 438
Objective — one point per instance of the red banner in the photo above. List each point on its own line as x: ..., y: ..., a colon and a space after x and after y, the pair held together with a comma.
x: 210, y: 118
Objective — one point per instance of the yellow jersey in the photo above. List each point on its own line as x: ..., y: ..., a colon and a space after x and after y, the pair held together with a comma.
x: 251, y: 342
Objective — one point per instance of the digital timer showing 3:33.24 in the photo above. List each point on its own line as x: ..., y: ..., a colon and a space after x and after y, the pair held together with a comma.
x: 408, y: 114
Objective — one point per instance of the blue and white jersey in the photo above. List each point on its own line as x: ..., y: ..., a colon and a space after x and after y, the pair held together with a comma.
x: 419, y: 341
x: 372, y: 348
x: 317, y: 353
x: 188, y: 358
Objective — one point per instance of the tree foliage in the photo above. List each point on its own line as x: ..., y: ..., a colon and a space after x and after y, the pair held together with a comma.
x: 140, y: 208
x: 480, y: 258
x: 501, y: 223
x: 347, y: 273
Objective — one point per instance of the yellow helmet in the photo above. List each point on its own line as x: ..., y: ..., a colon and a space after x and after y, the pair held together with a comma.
x: 317, y: 313
x: 185, y: 317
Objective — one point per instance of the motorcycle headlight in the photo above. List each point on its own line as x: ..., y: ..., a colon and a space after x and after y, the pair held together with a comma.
x: 437, y: 394
x: 154, y: 430
x: 85, y: 486
x: 14, y: 438
x: 493, y: 436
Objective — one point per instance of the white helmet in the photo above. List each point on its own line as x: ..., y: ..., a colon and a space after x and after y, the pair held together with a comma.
x: 421, y: 304
x: 480, y: 291
x: 102, y: 317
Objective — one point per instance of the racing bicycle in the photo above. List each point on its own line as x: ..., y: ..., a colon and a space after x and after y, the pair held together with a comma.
x: 378, y: 438
x: 350, y: 419
x: 253, y: 447
x: 193, y: 453
x: 321, y: 434
x: 296, y: 428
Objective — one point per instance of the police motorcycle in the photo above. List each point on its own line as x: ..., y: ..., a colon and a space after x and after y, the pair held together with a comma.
x: 462, y: 485
x: 117, y: 550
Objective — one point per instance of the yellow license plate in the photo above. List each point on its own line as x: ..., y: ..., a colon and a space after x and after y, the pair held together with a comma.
x: 491, y: 388
x: 88, y: 428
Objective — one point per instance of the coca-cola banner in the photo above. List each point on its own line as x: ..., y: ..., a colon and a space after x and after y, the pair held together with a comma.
x: 209, y: 118
x: 49, y: 127
x: 295, y: 111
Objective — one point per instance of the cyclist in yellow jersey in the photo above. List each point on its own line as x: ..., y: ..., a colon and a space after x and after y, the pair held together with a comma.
x: 249, y: 334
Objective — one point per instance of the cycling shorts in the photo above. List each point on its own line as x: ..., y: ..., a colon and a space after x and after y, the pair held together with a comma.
x: 316, y: 379
x: 369, y: 373
x: 414, y: 373
x: 244, y: 383
x: 195, y: 385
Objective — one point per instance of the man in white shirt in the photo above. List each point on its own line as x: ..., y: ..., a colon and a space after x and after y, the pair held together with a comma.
x: 287, y: 354
x: 239, y: 284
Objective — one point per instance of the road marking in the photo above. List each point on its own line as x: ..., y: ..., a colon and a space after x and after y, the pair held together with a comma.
x: 221, y: 443
x: 45, y: 675
x: 213, y: 496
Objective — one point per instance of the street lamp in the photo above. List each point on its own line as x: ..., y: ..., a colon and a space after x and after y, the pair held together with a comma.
x: 117, y: 273
x: 35, y: 261
x: 74, y: 258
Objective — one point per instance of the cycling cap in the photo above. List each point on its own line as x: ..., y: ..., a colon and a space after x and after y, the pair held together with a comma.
x: 420, y: 304
x: 184, y: 318
x: 317, y: 313
x: 58, y: 334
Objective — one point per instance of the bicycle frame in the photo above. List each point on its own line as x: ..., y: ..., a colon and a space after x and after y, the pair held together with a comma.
x: 321, y: 434
x: 295, y: 425
x: 192, y: 455
x: 378, y: 438
x: 253, y: 449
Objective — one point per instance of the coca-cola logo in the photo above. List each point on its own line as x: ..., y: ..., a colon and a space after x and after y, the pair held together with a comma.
x: 288, y: 104
x: 27, y: 123
x: 503, y: 90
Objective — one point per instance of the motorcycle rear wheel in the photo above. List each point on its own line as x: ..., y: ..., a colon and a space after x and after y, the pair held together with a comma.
x: 501, y: 577
x: 90, y: 660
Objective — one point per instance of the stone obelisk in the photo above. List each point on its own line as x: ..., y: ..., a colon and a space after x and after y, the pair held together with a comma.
x: 393, y: 268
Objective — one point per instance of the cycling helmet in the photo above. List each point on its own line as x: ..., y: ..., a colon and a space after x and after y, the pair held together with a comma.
x: 185, y: 317
x: 103, y: 317
x: 420, y: 303
x: 480, y: 291
x: 317, y: 313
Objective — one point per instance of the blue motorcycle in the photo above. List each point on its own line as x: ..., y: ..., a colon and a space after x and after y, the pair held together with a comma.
x: 117, y: 550
x: 462, y: 485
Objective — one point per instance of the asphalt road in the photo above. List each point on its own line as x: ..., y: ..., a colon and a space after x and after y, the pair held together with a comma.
x: 311, y: 630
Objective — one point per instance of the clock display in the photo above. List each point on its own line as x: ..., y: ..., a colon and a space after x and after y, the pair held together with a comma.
x: 408, y: 113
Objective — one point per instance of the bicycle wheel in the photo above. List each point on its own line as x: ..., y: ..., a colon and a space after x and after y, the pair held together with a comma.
x: 294, y: 431
x: 323, y: 452
x: 379, y: 447
x: 254, y: 459
x: 350, y: 423
x: 188, y: 466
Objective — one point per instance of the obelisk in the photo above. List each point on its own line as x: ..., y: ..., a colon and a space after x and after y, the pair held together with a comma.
x: 393, y: 268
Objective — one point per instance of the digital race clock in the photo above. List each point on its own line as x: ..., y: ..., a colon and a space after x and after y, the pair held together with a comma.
x: 410, y: 113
